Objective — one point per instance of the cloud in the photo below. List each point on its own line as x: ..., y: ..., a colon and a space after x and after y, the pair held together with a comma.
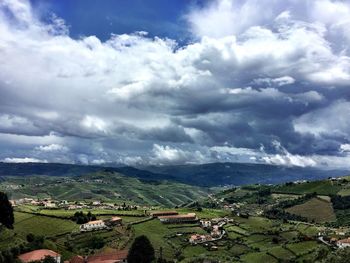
x: 221, y: 18
x: 329, y: 121
x: 345, y: 147
x: 163, y: 155
x: 287, y: 159
x: 255, y: 72
x: 52, y: 148
x: 23, y: 160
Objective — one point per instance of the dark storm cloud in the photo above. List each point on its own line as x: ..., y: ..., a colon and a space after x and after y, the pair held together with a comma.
x: 253, y: 86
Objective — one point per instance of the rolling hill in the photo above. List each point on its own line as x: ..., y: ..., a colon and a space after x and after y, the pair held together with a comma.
x: 105, y: 185
x: 205, y: 175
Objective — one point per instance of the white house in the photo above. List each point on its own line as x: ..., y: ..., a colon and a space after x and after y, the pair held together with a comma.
x: 343, y: 243
x: 205, y: 223
x: 93, y: 225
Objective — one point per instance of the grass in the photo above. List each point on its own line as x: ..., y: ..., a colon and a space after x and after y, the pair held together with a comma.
x: 289, y: 235
x: 284, y: 197
x: 281, y: 253
x: 307, y: 229
x: 325, y: 187
x: 316, y: 209
x: 42, y: 225
x: 258, y: 257
x: 303, y: 247
x: 344, y: 191
x: 255, y: 224
x: 37, y: 225
x: 156, y: 232
x: 236, y: 230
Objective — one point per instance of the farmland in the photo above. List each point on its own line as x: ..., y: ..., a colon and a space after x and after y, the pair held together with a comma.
x: 252, y: 233
x: 104, y: 186
x: 247, y: 239
x: 315, y: 209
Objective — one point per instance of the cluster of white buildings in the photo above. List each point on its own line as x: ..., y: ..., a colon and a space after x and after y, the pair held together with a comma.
x: 216, y: 232
x: 47, y: 203
x: 101, y: 224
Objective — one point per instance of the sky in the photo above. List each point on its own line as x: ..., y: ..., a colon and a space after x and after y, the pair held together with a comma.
x: 175, y: 82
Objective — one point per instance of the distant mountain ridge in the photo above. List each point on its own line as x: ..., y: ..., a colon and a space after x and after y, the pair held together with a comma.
x: 207, y: 175
x: 212, y: 174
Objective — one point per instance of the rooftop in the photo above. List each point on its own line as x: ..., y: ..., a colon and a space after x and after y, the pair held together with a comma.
x: 189, y: 215
x: 37, y: 255
x: 95, y: 222
x: 346, y: 240
x: 164, y: 212
x: 108, y: 257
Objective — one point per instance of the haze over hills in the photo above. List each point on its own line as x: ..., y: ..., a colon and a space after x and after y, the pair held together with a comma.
x: 205, y: 175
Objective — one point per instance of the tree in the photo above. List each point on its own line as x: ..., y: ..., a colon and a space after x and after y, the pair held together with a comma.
x: 6, y: 211
x: 49, y: 259
x: 96, y: 242
x: 339, y: 256
x: 141, y: 251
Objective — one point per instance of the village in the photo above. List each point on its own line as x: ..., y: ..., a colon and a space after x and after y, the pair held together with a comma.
x: 235, y: 218
x: 50, y: 203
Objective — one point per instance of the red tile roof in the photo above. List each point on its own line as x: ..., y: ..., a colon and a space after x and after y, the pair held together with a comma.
x: 159, y: 213
x: 108, y: 257
x: 346, y: 241
x: 37, y: 255
x: 77, y: 259
x: 189, y: 215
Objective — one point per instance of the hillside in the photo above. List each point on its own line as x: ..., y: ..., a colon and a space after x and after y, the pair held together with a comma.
x: 107, y: 186
x: 260, y: 223
x: 206, y: 175
x: 322, y: 201
x: 214, y: 174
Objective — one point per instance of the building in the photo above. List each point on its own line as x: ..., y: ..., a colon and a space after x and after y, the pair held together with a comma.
x: 112, y: 257
x: 205, y: 223
x: 164, y: 213
x: 175, y: 219
x: 49, y: 205
x: 216, y: 232
x: 76, y: 259
x: 38, y: 255
x: 93, y: 225
x: 114, y: 221
x: 197, y: 239
x: 343, y: 243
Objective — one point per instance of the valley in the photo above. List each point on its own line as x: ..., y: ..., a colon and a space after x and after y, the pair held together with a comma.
x: 296, y: 221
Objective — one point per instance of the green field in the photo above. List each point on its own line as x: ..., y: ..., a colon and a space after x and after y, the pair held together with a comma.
x: 248, y: 239
x: 325, y: 187
x: 42, y: 225
x: 252, y: 239
x: 258, y: 257
x: 316, y: 209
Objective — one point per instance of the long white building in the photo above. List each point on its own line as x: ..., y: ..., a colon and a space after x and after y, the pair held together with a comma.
x: 93, y: 225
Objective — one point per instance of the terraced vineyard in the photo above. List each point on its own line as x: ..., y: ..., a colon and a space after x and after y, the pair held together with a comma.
x: 104, y: 186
